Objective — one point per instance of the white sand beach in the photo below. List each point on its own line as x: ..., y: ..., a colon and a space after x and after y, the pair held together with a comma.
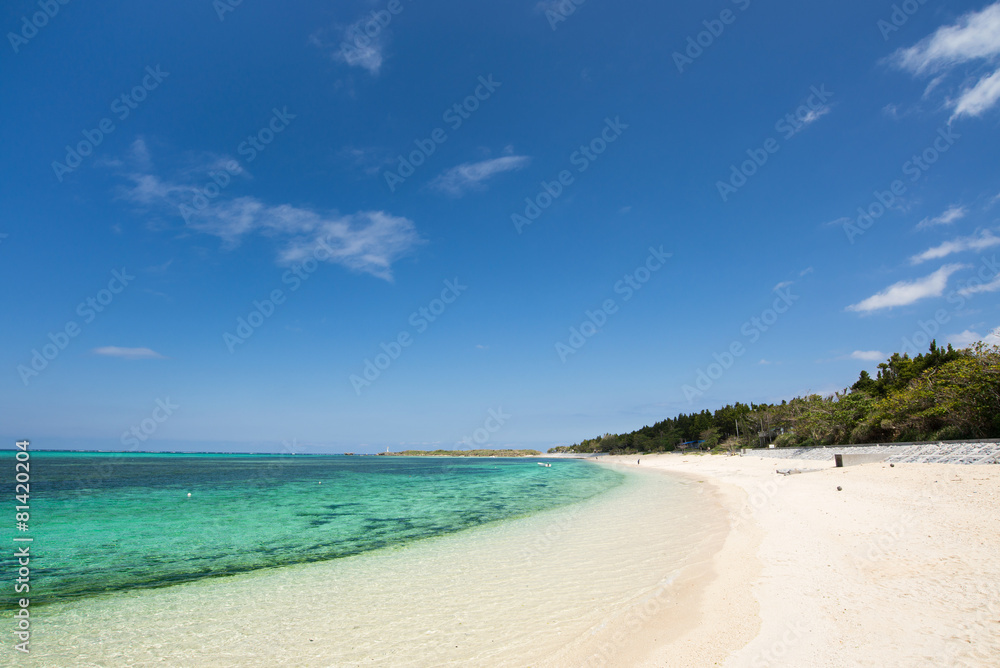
x: 899, y: 568
x: 697, y: 560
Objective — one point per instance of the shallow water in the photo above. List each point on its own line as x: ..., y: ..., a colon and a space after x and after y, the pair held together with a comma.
x: 106, y: 522
x: 540, y: 588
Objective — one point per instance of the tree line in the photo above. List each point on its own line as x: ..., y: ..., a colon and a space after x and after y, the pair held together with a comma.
x: 943, y: 394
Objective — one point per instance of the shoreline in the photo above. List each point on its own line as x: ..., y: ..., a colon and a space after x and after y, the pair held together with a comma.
x: 712, y: 615
x: 695, y: 560
x: 899, y: 567
x: 548, y: 589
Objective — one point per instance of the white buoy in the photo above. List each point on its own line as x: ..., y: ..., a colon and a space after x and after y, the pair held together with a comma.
x: 189, y: 495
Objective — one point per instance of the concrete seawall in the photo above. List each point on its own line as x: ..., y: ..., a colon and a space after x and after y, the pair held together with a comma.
x: 964, y: 452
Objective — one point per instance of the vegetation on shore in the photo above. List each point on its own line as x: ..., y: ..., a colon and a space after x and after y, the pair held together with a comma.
x: 463, y: 453
x: 944, y: 394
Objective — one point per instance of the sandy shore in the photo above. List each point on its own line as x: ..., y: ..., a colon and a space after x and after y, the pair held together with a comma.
x: 721, y: 563
x: 900, y: 568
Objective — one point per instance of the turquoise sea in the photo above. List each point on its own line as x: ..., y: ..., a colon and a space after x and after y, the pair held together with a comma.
x: 111, y: 522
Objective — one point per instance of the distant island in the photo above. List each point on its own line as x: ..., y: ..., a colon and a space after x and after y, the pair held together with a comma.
x: 462, y: 453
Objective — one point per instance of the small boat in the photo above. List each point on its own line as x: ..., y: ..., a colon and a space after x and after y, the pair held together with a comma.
x: 545, y: 465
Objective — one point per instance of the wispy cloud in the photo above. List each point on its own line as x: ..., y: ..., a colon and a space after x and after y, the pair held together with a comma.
x: 992, y: 286
x: 974, y: 36
x: 947, y: 218
x: 160, y: 268
x: 904, y: 293
x: 868, y: 355
x: 353, y: 46
x: 810, y: 118
x: 128, y: 353
x: 366, y: 241
x: 471, y: 175
x: 370, y: 160
x: 979, y: 98
x: 983, y: 240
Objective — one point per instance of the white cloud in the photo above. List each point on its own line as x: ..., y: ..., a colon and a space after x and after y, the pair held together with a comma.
x: 368, y: 57
x: 868, y: 355
x: 139, y: 152
x: 992, y: 286
x: 128, y: 353
x: 366, y: 241
x: 811, y: 117
x: 904, y: 293
x: 964, y: 339
x: 354, y: 47
x: 969, y: 337
x: 471, y: 175
x: 974, y: 36
x: 981, y: 97
x: 370, y: 160
x: 983, y: 240
x: 947, y: 218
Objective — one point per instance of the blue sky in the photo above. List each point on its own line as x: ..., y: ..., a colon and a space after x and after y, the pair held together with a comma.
x: 400, y: 224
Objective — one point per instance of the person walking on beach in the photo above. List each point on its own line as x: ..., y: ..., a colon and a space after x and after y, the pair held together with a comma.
x: 637, y: 462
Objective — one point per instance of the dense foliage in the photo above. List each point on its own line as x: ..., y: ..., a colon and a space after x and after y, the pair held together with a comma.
x: 944, y: 394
